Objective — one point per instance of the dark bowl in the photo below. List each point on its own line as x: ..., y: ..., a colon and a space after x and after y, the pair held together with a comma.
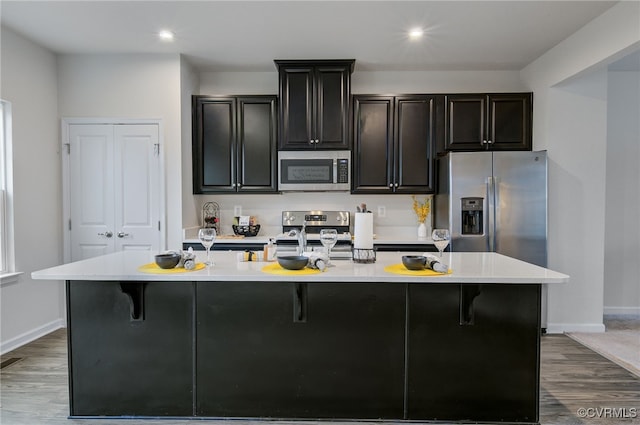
x: 167, y: 261
x: 293, y: 262
x: 414, y: 262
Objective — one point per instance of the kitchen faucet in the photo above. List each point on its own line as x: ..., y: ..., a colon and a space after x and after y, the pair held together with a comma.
x: 302, y: 237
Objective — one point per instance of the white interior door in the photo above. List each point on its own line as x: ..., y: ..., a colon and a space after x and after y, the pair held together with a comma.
x: 114, y: 188
x: 137, y: 177
x: 91, y: 190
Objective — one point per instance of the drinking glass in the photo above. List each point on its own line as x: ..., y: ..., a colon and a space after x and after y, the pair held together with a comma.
x: 207, y: 237
x: 440, y: 239
x: 328, y: 239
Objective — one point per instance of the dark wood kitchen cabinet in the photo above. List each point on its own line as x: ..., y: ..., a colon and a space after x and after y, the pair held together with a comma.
x: 130, y: 348
x: 394, y: 142
x: 314, y: 103
x: 473, y: 352
x: 478, y: 122
x: 276, y: 350
x: 234, y: 144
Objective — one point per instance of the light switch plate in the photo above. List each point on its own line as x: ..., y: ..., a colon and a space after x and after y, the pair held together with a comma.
x: 237, y: 210
x: 382, y: 211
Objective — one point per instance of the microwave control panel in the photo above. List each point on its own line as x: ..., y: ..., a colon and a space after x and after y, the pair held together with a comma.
x: 343, y: 171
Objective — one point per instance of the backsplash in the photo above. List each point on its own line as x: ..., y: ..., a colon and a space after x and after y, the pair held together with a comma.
x: 399, y: 219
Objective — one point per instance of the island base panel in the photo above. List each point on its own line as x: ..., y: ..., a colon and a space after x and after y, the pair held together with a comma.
x: 122, y: 365
x: 486, y: 370
x: 339, y: 356
x: 437, y: 352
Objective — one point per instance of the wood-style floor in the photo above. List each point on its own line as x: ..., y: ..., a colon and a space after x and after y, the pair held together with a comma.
x: 573, y: 380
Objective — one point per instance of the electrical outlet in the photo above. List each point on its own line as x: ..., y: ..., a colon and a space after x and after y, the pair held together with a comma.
x: 382, y: 211
x: 237, y: 210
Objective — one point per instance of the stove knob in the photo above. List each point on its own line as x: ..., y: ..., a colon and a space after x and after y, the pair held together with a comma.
x: 292, y: 218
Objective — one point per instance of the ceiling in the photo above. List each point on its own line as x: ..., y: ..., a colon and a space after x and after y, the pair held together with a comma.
x: 247, y: 35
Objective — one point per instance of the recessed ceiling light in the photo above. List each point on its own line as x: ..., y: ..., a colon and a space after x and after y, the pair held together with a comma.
x: 166, y: 35
x: 415, y: 33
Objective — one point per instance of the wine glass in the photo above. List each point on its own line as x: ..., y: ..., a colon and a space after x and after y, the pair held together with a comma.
x: 440, y: 239
x: 207, y: 237
x: 328, y: 239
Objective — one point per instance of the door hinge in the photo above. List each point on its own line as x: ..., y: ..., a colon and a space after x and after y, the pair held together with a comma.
x: 156, y: 149
x: 158, y: 225
x: 69, y: 224
x: 68, y: 146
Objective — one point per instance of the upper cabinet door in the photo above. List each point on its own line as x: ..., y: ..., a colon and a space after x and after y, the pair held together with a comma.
x: 332, y: 107
x: 297, y: 107
x: 509, y: 118
x: 314, y: 104
x: 415, y: 129
x: 477, y: 122
x: 373, y: 148
x: 257, y: 135
x: 466, y: 122
x: 214, y: 135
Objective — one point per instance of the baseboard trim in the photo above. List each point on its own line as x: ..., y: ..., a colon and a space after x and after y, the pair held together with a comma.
x: 622, y: 311
x: 32, y: 335
x: 560, y: 328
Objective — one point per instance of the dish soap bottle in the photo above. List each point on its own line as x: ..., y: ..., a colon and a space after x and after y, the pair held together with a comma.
x: 269, y: 251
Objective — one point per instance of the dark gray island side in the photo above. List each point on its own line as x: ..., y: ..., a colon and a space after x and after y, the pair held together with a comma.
x: 354, y: 342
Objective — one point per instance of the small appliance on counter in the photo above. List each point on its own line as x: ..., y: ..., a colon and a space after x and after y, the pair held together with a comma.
x: 313, y: 222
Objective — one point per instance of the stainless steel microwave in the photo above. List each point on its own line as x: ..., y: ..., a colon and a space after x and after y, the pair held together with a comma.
x: 314, y: 171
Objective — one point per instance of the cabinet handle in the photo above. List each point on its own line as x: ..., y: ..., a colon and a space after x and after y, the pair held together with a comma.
x: 468, y: 294
x: 317, y: 141
x: 108, y: 234
x: 311, y: 142
x: 135, y: 293
x: 396, y: 185
x: 122, y: 234
x: 484, y: 142
x: 299, y: 303
x: 391, y: 185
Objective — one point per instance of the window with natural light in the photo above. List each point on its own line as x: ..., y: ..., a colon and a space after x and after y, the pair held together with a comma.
x: 5, y: 216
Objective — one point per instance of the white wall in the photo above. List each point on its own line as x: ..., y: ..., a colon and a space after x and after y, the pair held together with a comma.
x: 189, y: 85
x: 622, y: 206
x: 31, y: 308
x: 370, y: 82
x: 131, y: 86
x: 570, y: 120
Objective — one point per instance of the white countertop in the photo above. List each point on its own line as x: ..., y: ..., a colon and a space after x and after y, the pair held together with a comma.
x: 466, y: 267
x: 261, y: 240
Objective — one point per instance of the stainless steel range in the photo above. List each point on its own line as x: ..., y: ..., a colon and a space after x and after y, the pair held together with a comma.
x: 313, y: 221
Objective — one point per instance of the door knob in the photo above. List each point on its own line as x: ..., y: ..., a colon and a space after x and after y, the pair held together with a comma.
x: 108, y: 234
x: 122, y: 234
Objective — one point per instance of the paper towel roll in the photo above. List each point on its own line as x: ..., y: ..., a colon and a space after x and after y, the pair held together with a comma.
x: 363, y: 231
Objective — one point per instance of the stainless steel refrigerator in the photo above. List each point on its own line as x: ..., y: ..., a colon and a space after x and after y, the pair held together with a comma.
x: 494, y: 202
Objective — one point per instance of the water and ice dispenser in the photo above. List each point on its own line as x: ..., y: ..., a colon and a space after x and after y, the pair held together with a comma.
x: 472, y: 217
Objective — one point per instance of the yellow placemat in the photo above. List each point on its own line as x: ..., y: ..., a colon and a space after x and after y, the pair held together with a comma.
x: 275, y: 268
x: 401, y: 269
x: 153, y: 268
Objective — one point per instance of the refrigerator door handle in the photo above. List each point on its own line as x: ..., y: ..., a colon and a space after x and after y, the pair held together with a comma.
x: 491, y: 216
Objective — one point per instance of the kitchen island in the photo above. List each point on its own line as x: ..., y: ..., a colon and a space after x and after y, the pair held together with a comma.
x: 353, y: 342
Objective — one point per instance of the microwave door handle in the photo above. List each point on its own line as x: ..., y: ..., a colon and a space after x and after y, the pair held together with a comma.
x: 335, y: 170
